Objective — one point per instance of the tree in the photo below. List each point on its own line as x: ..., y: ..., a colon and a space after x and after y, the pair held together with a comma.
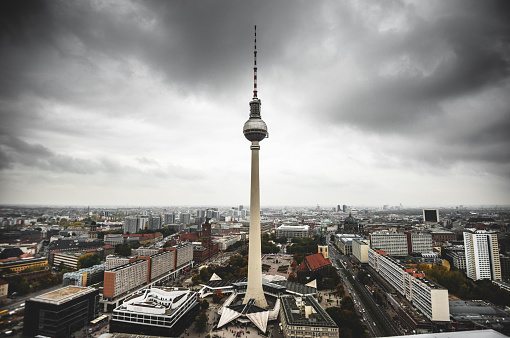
x: 204, y: 274
x: 201, y: 322
x: 88, y: 260
x: 24, y: 287
x: 347, y: 304
x: 123, y: 249
x: 292, y: 277
x: 204, y: 305
x: 217, y: 296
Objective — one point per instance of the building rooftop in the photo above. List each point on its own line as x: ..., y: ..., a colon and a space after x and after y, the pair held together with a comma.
x: 62, y: 295
x: 305, y: 311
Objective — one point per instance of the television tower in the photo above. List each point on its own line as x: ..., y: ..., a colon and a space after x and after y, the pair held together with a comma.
x: 255, y: 130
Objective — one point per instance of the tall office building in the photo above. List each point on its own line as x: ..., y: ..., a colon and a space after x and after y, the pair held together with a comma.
x: 185, y: 218
x: 170, y: 218
x: 154, y: 222
x: 255, y: 130
x: 482, y: 255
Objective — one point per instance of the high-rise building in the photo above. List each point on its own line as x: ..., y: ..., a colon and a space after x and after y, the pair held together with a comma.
x: 482, y: 255
x: 170, y: 218
x: 185, y: 218
x: 255, y: 130
x: 154, y: 222
x: 130, y: 225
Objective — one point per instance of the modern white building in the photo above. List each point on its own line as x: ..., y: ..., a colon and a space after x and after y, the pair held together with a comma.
x: 360, y: 249
x: 394, y: 244
x: 157, y: 311
x: 113, y: 261
x: 291, y: 231
x: 420, y: 243
x: 482, y: 255
x: 429, y: 298
x: 162, y: 263
x: 184, y: 254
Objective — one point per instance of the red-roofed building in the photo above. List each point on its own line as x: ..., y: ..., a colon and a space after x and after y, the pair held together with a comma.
x: 313, y: 266
x: 189, y: 237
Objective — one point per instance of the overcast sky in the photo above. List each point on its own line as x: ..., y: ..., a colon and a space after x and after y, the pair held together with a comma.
x: 366, y: 102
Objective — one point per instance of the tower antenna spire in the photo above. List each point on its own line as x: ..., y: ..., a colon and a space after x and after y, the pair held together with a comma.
x: 255, y: 66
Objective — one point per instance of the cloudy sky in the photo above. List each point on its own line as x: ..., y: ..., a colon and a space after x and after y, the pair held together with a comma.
x: 143, y: 102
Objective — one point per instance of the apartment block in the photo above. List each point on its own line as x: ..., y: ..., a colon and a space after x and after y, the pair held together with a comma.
x: 113, y: 261
x: 393, y: 244
x: 482, y: 255
x: 429, y: 298
x: 125, y: 278
x: 420, y: 243
x: 162, y: 263
x: 184, y: 254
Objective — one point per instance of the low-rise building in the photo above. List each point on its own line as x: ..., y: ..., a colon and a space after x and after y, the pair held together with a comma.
x: 157, y: 311
x: 16, y: 264
x: 360, y: 250
x: 61, y: 312
x: 304, y: 317
x: 85, y: 277
x: 344, y: 242
x: 291, y: 231
x: 4, y: 289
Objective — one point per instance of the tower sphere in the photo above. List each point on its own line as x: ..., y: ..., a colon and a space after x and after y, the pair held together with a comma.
x: 255, y: 129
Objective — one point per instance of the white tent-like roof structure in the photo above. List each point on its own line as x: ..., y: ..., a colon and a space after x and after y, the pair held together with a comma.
x: 215, y: 277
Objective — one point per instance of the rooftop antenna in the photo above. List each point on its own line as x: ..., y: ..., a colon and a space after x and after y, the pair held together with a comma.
x: 255, y: 67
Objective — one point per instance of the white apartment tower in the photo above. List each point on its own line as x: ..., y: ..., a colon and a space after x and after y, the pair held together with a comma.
x: 482, y: 255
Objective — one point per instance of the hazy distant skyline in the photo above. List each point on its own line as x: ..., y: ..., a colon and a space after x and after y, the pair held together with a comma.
x: 366, y: 102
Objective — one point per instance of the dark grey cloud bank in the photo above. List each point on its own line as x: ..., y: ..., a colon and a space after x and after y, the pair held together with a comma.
x: 432, y: 77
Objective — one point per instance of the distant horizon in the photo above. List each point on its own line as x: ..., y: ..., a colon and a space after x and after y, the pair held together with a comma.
x: 325, y: 207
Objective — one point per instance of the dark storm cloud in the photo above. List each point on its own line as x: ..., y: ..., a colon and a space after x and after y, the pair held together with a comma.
x: 458, y: 55
x: 15, y: 153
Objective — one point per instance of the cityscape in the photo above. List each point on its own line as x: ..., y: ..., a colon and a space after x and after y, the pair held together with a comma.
x: 129, y: 208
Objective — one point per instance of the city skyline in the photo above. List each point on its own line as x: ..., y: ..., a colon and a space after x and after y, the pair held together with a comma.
x: 126, y: 103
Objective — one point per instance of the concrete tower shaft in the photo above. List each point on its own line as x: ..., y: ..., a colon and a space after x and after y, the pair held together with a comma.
x: 255, y: 130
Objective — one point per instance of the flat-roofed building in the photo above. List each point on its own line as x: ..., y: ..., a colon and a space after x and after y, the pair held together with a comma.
x: 304, y: 317
x: 360, y: 250
x: 85, y: 277
x: 61, y: 312
x: 419, y: 242
x: 456, y: 256
x: 67, y: 259
x: 158, y: 311
x: 482, y: 255
x: 20, y: 264
x: 291, y: 231
x: 344, y: 242
x: 162, y: 263
x: 113, y: 261
x: 429, y: 298
x: 184, y: 254
x: 125, y: 278
x: 392, y: 243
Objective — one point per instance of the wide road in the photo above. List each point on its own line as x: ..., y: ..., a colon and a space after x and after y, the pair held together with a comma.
x: 370, y: 323
x: 388, y: 323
